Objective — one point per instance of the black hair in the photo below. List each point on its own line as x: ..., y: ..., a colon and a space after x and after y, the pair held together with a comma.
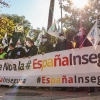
x: 11, y: 44
x: 31, y: 41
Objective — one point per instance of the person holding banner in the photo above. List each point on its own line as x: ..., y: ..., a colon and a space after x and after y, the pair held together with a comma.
x: 64, y: 44
x: 11, y: 52
x: 32, y: 49
x: 82, y: 41
x: 45, y: 46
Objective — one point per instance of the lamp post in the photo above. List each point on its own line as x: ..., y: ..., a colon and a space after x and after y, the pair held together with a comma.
x: 61, y: 6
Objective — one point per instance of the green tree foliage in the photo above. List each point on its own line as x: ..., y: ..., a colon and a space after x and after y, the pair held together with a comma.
x: 8, y: 23
x: 87, y: 14
x: 6, y: 26
x: 70, y: 34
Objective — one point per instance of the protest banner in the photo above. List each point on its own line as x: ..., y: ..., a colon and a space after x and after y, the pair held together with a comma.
x: 75, y: 67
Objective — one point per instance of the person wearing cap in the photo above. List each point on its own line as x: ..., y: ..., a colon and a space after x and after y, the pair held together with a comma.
x: 11, y: 52
x: 32, y: 49
x: 64, y: 44
x: 2, y: 53
x: 45, y: 46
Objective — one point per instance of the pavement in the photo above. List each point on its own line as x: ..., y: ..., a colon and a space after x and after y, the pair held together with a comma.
x: 7, y: 93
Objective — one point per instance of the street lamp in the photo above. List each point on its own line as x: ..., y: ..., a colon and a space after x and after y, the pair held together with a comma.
x: 61, y: 6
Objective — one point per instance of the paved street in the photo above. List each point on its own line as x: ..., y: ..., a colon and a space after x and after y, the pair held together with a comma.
x: 31, y: 94
x: 84, y: 98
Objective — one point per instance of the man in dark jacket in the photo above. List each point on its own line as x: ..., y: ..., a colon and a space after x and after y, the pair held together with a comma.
x: 32, y: 49
x: 11, y: 52
x: 45, y: 46
x: 64, y: 44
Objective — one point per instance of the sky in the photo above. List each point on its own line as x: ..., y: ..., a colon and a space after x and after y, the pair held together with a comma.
x: 35, y: 11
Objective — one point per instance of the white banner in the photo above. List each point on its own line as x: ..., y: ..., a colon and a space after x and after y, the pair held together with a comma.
x: 76, y: 67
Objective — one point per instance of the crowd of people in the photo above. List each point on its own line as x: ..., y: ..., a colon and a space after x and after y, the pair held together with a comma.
x: 22, y: 51
x: 19, y: 51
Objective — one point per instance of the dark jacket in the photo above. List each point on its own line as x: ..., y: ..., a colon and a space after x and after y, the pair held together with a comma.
x: 26, y: 48
x: 10, y: 54
x: 65, y: 45
x: 6, y: 48
x: 46, y: 47
x: 32, y: 51
x: 19, y: 53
